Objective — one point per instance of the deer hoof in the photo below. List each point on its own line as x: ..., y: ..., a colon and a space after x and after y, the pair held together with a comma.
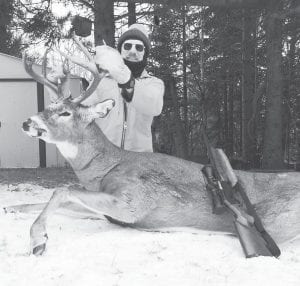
x: 39, y: 250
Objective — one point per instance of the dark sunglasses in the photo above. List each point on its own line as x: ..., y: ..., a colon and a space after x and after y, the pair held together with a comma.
x: 138, y: 47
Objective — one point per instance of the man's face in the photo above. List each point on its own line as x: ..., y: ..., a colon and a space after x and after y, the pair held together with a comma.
x: 133, y: 50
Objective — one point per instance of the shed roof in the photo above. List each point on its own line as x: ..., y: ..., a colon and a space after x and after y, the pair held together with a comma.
x: 12, y: 68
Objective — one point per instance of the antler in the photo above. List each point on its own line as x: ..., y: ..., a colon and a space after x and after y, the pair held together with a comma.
x: 59, y: 76
x: 41, y: 79
x: 90, y: 65
x: 60, y: 89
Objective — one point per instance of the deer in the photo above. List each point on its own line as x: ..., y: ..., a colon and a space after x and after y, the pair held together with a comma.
x: 140, y: 190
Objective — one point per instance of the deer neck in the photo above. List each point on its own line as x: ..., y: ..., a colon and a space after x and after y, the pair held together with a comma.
x: 90, y: 147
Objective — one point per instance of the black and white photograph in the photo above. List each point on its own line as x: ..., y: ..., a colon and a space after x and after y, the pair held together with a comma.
x: 150, y: 142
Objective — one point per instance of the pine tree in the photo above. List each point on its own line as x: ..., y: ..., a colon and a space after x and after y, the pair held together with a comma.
x: 8, y: 44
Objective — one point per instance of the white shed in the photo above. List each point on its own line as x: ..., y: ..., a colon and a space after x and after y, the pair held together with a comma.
x: 20, y: 98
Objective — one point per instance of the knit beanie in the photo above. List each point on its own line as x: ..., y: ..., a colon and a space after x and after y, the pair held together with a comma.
x: 136, y: 32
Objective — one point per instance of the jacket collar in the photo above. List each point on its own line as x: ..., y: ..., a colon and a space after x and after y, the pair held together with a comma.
x: 145, y: 74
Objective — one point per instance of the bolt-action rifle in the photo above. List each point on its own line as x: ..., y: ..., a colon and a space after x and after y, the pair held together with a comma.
x: 228, y: 195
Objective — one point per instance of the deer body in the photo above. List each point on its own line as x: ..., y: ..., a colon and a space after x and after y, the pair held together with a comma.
x: 158, y: 190
x: 152, y: 190
x: 145, y: 190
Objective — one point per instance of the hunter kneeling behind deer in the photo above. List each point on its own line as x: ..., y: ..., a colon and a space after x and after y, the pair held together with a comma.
x: 143, y: 189
x: 138, y: 95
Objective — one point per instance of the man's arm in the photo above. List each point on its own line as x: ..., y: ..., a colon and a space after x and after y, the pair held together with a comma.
x: 148, y: 96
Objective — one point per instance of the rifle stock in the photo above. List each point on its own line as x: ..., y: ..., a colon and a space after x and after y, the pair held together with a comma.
x: 271, y: 244
x: 252, y: 243
x: 251, y: 240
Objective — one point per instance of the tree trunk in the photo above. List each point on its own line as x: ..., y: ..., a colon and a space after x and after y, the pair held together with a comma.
x: 273, y: 150
x: 295, y: 23
x: 6, y: 11
x: 104, y: 26
x: 225, y: 111
x: 298, y: 133
x: 131, y: 14
x: 290, y: 95
x: 248, y: 136
x: 230, y: 149
x: 179, y: 134
x: 184, y: 79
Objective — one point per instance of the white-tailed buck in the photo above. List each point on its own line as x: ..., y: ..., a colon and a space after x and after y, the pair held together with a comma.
x: 144, y: 190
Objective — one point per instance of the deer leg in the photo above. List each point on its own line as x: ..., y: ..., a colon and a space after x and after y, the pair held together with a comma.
x: 25, y: 208
x: 97, y: 202
x: 68, y: 209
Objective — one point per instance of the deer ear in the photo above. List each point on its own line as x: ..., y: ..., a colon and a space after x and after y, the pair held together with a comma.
x: 104, y: 107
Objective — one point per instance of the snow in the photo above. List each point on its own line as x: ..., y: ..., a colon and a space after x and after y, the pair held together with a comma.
x: 95, y: 252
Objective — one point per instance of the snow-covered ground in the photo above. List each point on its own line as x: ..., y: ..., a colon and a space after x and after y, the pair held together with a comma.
x: 95, y: 252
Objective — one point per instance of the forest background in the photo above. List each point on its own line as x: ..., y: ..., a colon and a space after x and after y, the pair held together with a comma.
x: 231, y: 67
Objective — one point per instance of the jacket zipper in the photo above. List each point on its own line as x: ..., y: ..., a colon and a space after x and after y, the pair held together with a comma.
x: 124, y: 125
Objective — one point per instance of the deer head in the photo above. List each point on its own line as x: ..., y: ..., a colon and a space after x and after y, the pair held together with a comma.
x: 66, y: 116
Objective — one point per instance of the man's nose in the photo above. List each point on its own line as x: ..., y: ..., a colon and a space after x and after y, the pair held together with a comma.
x: 132, y: 51
x: 26, y: 124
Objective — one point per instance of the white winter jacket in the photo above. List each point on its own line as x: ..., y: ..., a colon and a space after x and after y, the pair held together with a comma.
x: 147, y: 102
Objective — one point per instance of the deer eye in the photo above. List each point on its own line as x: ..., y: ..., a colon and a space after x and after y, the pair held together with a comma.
x: 66, y: 113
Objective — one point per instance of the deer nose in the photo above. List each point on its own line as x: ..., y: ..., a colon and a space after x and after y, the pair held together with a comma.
x: 26, y: 124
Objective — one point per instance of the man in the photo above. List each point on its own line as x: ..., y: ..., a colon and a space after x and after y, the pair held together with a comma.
x: 138, y: 95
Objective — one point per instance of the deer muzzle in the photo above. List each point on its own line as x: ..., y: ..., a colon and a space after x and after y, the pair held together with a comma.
x: 32, y: 128
x: 26, y: 124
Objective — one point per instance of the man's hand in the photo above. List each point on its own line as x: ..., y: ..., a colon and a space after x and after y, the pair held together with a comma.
x: 110, y: 60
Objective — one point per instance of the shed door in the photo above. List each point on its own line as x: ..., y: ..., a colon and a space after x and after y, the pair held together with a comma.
x: 18, y: 101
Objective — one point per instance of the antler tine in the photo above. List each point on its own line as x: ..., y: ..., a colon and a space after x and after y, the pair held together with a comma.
x: 91, y: 88
x: 90, y: 66
x: 66, y: 66
x: 82, y: 47
x: 44, y: 64
x: 28, y: 68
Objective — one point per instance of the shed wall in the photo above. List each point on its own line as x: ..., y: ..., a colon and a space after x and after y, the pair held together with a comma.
x: 19, y: 101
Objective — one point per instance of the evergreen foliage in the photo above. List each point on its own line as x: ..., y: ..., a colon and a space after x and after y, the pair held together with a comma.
x: 9, y: 43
